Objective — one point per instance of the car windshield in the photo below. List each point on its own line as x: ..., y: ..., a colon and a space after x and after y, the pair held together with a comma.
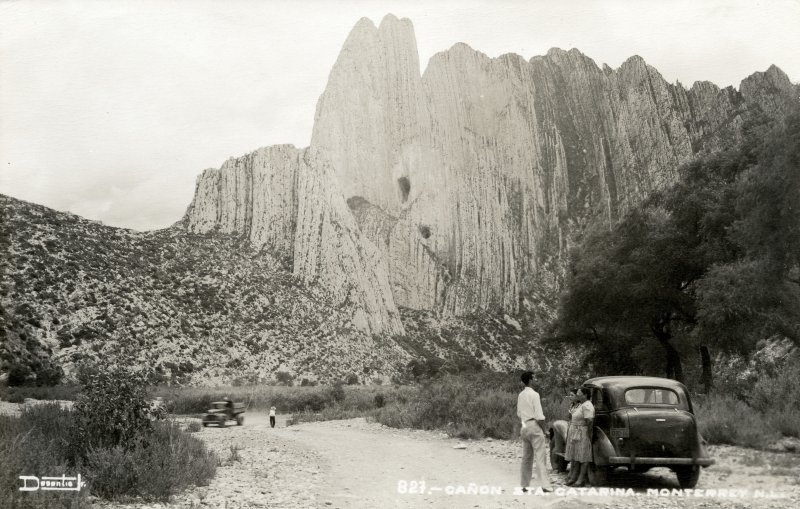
x: 651, y: 396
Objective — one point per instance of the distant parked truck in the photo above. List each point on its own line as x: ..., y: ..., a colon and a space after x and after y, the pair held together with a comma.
x: 223, y: 411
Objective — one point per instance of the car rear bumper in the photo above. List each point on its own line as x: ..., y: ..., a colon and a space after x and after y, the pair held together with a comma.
x: 627, y: 460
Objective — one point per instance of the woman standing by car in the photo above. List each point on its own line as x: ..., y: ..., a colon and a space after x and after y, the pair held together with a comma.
x: 573, y: 403
x: 579, y: 439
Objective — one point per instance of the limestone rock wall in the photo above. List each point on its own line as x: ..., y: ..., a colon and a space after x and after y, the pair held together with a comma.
x: 255, y: 195
x: 284, y: 200
x: 451, y: 190
x: 331, y: 251
x: 372, y: 123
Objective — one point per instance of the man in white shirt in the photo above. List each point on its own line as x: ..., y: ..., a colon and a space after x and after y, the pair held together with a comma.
x: 534, y: 445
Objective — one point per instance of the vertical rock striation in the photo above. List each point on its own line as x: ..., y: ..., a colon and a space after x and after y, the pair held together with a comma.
x: 453, y: 189
x: 255, y: 195
x: 331, y: 251
x: 285, y: 201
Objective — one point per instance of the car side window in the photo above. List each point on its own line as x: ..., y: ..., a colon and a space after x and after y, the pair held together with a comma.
x: 599, y: 400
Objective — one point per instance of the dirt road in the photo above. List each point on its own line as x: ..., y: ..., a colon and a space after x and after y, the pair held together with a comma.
x: 356, y: 464
x: 353, y: 463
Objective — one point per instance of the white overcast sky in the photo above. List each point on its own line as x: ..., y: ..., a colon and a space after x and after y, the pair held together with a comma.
x: 110, y: 109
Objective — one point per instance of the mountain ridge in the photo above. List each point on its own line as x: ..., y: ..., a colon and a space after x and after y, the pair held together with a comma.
x: 491, y: 166
x: 199, y: 310
x: 431, y: 214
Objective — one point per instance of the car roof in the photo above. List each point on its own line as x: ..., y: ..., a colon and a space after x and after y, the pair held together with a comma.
x: 633, y: 381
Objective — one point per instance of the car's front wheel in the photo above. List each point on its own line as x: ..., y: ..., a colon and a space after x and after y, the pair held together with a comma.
x: 688, y: 476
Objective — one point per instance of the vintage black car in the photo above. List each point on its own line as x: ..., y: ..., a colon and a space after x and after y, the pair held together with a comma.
x: 640, y: 423
x: 223, y: 411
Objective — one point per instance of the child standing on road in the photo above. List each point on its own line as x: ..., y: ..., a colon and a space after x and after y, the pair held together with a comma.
x: 272, y: 417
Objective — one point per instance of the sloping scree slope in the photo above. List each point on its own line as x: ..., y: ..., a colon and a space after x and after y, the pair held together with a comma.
x: 206, y: 308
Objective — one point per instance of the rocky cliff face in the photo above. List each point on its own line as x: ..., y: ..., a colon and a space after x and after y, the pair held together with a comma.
x: 255, y: 194
x: 452, y: 190
x: 286, y: 201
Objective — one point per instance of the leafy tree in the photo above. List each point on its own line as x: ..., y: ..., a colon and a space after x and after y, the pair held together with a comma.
x: 629, y: 284
x: 18, y: 374
x: 713, y: 260
x: 757, y: 295
x: 426, y: 368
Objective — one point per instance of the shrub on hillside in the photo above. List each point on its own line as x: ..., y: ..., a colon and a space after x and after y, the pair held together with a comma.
x: 723, y: 419
x: 779, y: 389
x: 785, y: 421
x: 337, y: 392
x: 18, y: 374
x: 284, y: 378
x: 465, y: 406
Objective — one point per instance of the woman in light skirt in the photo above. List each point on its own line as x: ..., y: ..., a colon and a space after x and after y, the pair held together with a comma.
x: 579, y: 439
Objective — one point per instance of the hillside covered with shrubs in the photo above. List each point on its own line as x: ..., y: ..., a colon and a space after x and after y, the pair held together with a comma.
x: 198, y: 309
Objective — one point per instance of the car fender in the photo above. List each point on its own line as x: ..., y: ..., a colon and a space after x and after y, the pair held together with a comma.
x: 559, y: 429
x: 700, y: 447
x: 601, y: 447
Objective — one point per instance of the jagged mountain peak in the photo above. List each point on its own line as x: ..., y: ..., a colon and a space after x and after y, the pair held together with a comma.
x: 390, y: 21
x: 400, y: 30
x: 704, y: 85
x: 773, y: 76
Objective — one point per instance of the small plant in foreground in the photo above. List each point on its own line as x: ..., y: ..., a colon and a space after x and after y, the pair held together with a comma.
x: 193, y: 427
x: 113, y: 410
x: 234, y: 455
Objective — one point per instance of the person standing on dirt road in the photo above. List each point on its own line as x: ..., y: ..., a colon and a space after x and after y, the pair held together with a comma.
x: 534, y: 448
x: 579, y: 439
x: 272, y: 417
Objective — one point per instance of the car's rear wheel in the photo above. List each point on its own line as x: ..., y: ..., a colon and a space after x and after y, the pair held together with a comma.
x: 557, y: 460
x: 222, y: 423
x: 239, y: 420
x: 688, y: 476
x: 205, y: 424
x: 598, y: 475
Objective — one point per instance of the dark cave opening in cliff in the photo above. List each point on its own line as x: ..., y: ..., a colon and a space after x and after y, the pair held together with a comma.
x: 404, y: 186
x: 425, y: 231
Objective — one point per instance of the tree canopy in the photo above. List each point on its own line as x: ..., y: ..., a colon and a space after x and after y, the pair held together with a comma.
x: 712, y: 261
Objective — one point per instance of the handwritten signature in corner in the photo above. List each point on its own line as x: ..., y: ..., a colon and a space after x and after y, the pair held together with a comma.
x: 63, y: 483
